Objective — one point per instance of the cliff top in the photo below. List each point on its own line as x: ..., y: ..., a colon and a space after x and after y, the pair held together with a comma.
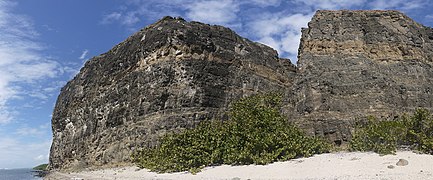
x: 374, y: 34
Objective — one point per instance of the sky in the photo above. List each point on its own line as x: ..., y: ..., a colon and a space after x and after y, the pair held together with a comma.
x: 44, y: 43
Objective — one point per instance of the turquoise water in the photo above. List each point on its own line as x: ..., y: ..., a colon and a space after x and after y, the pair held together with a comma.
x: 17, y: 174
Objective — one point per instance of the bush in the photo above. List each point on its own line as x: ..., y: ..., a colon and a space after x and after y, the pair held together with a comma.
x: 419, y: 133
x: 385, y: 137
x: 379, y: 136
x: 41, y: 167
x: 256, y: 133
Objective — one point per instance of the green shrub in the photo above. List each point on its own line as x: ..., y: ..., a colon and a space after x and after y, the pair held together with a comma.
x: 385, y: 137
x: 420, y: 131
x: 41, y: 167
x: 256, y: 133
x: 379, y: 136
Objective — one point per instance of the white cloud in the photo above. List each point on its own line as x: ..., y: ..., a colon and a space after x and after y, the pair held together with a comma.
x: 84, y: 54
x: 39, y: 95
x: 396, y: 4
x: 264, y: 3
x: 128, y: 18
x: 27, y: 131
x: 17, y: 154
x: 5, y: 116
x: 280, y: 31
x: 213, y: 12
x: 40, y: 157
x: 330, y: 4
x: 21, y: 60
x: 112, y: 17
x: 429, y: 18
x: 53, y: 87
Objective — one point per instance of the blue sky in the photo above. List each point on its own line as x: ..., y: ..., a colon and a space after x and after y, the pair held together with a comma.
x: 43, y: 44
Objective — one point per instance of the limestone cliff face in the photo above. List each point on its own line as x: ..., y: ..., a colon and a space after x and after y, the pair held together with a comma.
x: 166, y: 77
x: 358, y: 63
x: 173, y: 74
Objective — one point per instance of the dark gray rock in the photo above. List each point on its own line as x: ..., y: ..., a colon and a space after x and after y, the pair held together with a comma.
x: 167, y: 77
x: 358, y: 63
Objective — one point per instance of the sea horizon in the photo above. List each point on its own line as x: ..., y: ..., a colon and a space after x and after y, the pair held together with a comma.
x: 18, y: 174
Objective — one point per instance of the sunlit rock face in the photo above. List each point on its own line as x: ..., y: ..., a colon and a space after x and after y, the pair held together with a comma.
x: 167, y: 77
x: 173, y: 74
x: 358, y: 63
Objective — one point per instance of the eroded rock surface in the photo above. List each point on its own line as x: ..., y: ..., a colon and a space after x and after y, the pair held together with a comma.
x: 358, y: 63
x: 169, y: 76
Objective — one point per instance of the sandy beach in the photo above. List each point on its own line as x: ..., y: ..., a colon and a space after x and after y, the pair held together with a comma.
x: 341, y: 165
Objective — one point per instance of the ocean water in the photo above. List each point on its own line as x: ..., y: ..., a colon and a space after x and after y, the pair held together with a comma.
x: 17, y: 174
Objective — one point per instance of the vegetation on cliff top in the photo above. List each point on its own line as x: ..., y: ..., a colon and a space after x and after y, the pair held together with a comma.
x: 384, y: 137
x: 256, y: 133
x: 41, y: 167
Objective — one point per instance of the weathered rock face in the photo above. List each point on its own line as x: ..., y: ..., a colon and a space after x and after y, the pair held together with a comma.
x: 358, y: 63
x: 166, y: 77
x: 174, y: 74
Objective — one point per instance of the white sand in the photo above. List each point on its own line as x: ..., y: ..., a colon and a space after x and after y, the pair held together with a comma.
x: 344, y: 165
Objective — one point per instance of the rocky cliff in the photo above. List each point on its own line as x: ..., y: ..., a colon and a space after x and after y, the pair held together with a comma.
x: 358, y: 63
x: 166, y: 77
x: 173, y: 74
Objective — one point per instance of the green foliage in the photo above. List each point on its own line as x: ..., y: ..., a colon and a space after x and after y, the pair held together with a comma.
x: 419, y: 133
x: 385, y: 137
x: 256, y: 133
x: 378, y: 136
x: 41, y: 167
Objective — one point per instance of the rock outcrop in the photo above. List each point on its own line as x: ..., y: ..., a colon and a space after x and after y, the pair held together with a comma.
x: 358, y: 63
x: 167, y: 77
x: 173, y: 74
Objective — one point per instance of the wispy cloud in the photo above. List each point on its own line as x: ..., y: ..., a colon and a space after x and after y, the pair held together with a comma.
x: 428, y: 18
x: 128, y: 18
x: 397, y: 4
x: 26, y: 146
x: 214, y: 12
x: 27, y: 131
x: 329, y: 4
x: 140, y: 10
x: 264, y: 3
x: 21, y: 59
x: 16, y: 154
x: 5, y: 115
x: 42, y: 158
x: 112, y: 17
x: 280, y: 31
x: 37, y: 131
x: 83, y: 54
